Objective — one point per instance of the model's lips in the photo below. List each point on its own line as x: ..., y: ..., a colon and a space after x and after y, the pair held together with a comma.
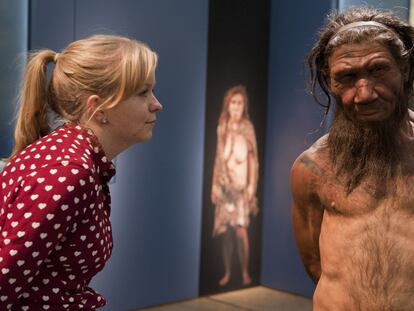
x: 370, y: 115
x: 369, y: 111
x: 151, y: 122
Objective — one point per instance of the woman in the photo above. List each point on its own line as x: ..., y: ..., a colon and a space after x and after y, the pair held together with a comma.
x: 235, y: 179
x: 55, y: 202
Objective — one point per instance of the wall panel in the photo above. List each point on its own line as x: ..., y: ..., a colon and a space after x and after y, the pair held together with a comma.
x: 292, y: 116
x: 13, y: 47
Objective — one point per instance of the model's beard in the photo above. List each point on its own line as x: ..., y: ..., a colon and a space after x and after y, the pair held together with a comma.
x: 366, y: 152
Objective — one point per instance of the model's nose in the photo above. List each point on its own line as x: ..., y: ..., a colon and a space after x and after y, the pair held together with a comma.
x: 365, y: 92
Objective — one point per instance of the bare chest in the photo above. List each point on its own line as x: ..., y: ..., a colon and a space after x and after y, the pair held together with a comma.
x: 366, y: 248
x: 398, y: 198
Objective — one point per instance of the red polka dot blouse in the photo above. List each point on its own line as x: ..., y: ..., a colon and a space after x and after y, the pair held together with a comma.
x: 54, y: 223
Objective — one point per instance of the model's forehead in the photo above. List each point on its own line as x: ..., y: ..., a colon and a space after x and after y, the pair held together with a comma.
x: 359, y: 51
x: 237, y: 96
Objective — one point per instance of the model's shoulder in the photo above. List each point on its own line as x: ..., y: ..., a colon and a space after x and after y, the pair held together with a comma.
x: 312, y: 161
x: 247, y: 125
x: 319, y: 147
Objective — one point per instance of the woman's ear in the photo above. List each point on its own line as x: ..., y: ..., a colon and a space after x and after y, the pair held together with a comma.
x: 92, y: 105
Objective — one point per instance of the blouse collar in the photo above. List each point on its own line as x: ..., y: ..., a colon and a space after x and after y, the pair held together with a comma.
x: 105, y: 168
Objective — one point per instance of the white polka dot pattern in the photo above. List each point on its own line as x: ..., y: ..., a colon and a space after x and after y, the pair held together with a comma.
x: 54, y: 223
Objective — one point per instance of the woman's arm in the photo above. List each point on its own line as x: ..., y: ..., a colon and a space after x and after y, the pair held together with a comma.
x: 42, y: 211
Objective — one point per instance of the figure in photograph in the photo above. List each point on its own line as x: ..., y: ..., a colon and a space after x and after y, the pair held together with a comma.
x: 235, y: 179
x: 353, y: 199
x: 55, y: 201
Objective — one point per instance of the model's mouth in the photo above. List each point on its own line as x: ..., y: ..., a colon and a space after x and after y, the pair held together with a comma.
x: 369, y: 111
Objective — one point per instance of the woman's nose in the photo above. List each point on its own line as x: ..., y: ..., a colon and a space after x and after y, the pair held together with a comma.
x: 155, y: 105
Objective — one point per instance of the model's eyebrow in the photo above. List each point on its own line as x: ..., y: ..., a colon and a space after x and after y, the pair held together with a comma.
x: 379, y: 62
x: 342, y: 71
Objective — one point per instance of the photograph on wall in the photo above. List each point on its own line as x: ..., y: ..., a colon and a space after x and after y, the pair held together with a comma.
x: 234, y: 145
x: 234, y: 185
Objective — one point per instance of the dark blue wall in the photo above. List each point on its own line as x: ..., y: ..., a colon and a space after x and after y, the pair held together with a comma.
x: 52, y: 31
x: 292, y: 116
x: 398, y: 6
x: 156, y: 213
x: 13, y: 47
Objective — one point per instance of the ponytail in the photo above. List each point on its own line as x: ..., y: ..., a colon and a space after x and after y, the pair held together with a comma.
x: 32, y: 119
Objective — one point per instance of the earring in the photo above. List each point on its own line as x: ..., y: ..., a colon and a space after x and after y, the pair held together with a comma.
x: 104, y: 121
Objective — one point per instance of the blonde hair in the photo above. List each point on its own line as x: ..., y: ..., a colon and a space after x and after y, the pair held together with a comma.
x: 112, y: 67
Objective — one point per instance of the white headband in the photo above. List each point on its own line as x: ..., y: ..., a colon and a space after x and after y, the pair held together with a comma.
x: 361, y: 24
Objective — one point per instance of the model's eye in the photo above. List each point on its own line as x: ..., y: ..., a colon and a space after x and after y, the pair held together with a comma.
x: 346, y: 77
x: 379, y: 69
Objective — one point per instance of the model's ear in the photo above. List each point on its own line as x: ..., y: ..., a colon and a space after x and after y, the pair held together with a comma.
x: 92, y: 104
x: 326, y: 76
x: 405, y: 72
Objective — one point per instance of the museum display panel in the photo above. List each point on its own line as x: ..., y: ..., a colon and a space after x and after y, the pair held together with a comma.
x: 234, y: 145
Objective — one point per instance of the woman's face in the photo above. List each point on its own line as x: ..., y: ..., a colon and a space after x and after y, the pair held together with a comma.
x: 236, y: 107
x: 133, y: 119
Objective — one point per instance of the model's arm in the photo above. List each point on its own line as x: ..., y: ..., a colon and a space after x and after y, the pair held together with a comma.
x: 215, y: 186
x: 307, y: 213
x: 253, y: 175
x: 253, y: 162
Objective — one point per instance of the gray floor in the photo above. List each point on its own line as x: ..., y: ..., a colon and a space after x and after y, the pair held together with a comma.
x: 251, y: 299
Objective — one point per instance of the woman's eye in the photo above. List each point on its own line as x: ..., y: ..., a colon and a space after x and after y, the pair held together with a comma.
x: 143, y: 93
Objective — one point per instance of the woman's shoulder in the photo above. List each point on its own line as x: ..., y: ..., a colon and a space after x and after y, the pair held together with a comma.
x: 61, y: 148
